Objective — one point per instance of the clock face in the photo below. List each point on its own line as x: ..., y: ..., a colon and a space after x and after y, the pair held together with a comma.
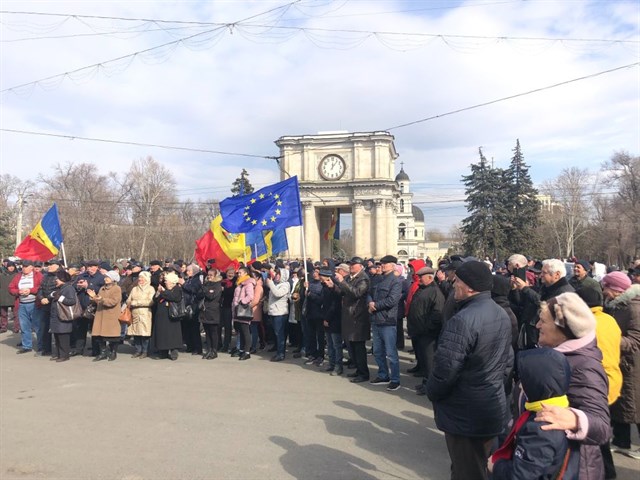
x: 332, y: 167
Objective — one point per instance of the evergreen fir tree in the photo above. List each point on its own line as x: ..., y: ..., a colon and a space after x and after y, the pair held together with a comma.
x: 483, y: 228
x: 241, y: 185
x: 523, y: 208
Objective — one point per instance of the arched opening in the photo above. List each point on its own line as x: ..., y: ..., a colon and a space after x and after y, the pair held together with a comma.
x: 402, y: 231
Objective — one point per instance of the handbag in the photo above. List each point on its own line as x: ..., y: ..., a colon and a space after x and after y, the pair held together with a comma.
x: 125, y: 315
x: 178, y: 310
x: 90, y: 312
x: 69, y: 313
x: 243, y: 312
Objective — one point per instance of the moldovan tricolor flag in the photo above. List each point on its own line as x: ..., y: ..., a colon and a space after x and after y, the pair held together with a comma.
x: 333, y: 233
x: 43, y: 243
x: 226, y: 248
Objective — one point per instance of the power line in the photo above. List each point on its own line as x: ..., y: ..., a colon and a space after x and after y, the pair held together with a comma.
x: 513, y: 96
x: 147, y: 50
x: 329, y: 30
x: 138, y: 144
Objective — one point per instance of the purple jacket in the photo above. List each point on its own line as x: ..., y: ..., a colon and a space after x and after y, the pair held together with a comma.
x: 588, y: 398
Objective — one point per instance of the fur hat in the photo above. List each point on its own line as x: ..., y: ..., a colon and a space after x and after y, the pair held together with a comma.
x: 476, y: 275
x: 571, y: 311
x: 388, y: 259
x: 616, y: 281
x: 171, y: 277
x: 113, y: 275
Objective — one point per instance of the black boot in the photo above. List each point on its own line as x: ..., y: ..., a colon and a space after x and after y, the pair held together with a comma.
x: 103, y: 352
x: 113, y: 351
x: 205, y: 355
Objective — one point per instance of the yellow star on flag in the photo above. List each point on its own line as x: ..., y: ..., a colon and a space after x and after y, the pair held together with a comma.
x: 261, y: 196
x: 276, y: 196
x: 253, y: 200
x: 254, y: 222
x: 278, y: 211
x: 273, y: 219
x: 264, y: 222
x: 279, y: 203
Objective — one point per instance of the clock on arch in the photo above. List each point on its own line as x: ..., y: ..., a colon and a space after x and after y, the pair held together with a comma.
x: 332, y: 167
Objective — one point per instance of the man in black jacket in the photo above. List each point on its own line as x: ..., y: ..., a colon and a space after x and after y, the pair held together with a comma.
x: 384, y: 296
x: 425, y: 322
x: 466, y: 386
x: 43, y: 307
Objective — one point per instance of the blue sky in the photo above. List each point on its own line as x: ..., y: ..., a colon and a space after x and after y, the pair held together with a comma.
x: 238, y: 89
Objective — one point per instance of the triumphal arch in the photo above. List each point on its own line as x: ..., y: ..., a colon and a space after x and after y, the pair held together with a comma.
x: 354, y: 172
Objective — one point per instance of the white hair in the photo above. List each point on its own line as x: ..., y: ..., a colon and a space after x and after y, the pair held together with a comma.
x: 554, y: 265
x: 195, y: 268
x: 518, y: 260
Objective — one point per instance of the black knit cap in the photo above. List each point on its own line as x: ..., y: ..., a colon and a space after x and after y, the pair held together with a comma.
x: 590, y: 296
x: 476, y: 275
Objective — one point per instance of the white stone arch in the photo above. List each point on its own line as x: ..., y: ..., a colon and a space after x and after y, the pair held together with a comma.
x: 364, y: 185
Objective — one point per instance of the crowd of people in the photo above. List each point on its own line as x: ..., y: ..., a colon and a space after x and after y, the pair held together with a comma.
x: 525, y: 355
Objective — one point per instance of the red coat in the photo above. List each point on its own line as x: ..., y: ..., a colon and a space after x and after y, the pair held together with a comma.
x: 13, y: 286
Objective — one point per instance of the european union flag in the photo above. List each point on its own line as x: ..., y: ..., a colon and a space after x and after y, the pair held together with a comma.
x: 273, y: 207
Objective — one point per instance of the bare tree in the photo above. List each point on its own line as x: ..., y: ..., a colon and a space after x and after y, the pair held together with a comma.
x: 568, y: 220
x: 150, y: 188
x: 623, y: 173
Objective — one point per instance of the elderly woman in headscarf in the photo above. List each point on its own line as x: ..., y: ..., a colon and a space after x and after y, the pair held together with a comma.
x: 167, y: 332
x: 567, y: 324
x: 106, y: 326
x: 140, y: 301
x: 65, y: 294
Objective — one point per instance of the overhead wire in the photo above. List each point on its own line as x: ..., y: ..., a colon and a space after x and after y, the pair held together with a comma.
x: 147, y: 50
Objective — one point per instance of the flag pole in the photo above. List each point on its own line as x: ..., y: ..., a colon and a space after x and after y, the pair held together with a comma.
x: 304, y: 256
x: 64, y: 255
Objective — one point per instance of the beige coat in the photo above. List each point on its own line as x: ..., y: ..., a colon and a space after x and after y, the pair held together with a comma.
x: 140, y: 301
x: 106, y: 323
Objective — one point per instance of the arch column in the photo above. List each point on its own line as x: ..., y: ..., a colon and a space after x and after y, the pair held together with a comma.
x: 381, y: 218
x: 358, y: 227
x: 311, y: 235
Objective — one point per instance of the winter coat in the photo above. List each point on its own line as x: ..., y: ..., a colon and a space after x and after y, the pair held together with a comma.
x: 94, y: 282
x: 588, y: 393
x: 415, y: 282
x: 314, y: 300
x: 425, y: 316
x: 212, y: 291
x: 244, y: 294
x: 192, y: 291
x: 66, y: 295
x: 106, y: 323
x: 587, y: 282
x: 356, y: 326
x: 13, y: 285
x: 527, y: 302
x: 626, y: 310
x: 47, y: 286
x: 295, y: 306
x: 472, y: 362
x: 406, y: 286
x: 258, y: 301
x: 499, y: 294
x: 609, y: 337
x: 6, y: 299
x: 385, y: 293
x: 537, y: 454
x: 140, y: 301
x: 166, y: 333
x: 332, y: 309
x: 279, y: 294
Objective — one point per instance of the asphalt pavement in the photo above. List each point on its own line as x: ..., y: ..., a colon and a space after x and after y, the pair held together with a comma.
x: 134, y: 419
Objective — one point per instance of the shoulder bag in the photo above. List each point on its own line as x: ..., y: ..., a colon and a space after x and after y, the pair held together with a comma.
x: 69, y: 313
